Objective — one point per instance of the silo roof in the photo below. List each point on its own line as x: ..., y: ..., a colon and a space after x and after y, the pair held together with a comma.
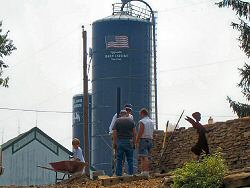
x: 121, y: 17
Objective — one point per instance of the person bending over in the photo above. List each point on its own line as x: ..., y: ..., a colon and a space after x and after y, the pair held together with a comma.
x: 77, y: 151
x: 77, y: 154
x: 202, y: 144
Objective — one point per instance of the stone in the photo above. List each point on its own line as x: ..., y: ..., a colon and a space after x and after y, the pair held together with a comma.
x: 95, y: 174
x: 247, y: 134
x: 237, y: 180
x: 167, y: 182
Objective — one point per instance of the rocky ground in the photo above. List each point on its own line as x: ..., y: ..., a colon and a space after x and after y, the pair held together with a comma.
x: 235, y: 179
x: 83, y: 182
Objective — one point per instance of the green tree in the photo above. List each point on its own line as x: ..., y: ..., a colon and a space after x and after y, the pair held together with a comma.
x: 242, y: 9
x: 6, y: 48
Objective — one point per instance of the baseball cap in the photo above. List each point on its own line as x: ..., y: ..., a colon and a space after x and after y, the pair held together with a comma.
x: 128, y: 106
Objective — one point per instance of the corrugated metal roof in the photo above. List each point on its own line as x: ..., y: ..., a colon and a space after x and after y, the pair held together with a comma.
x: 34, y: 129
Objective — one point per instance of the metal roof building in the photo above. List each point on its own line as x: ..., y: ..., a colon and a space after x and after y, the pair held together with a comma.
x: 22, y: 154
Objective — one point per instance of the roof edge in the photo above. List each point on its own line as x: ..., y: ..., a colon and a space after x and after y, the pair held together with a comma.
x: 20, y: 137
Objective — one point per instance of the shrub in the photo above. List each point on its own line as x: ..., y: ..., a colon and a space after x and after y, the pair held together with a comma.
x: 207, y: 173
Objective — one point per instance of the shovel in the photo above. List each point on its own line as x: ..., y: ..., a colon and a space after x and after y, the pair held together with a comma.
x: 162, y: 170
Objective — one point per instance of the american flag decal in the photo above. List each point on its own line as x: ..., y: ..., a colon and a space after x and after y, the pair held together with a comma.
x: 118, y: 41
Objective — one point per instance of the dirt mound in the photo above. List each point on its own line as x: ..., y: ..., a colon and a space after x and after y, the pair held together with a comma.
x: 83, y: 182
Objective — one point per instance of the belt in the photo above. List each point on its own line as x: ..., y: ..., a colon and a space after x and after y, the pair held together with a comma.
x: 124, y: 138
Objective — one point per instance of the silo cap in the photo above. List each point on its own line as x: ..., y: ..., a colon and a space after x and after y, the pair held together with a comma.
x: 125, y: 1
x: 128, y: 106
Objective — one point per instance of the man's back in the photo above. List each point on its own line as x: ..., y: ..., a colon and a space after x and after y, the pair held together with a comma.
x: 124, y: 127
x: 114, y: 120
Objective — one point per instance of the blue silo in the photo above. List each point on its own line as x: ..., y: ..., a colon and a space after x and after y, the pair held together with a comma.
x: 121, y: 58
x: 78, y: 119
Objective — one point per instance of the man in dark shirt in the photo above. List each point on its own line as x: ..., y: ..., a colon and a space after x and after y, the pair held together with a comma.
x: 202, y: 144
x: 124, y: 135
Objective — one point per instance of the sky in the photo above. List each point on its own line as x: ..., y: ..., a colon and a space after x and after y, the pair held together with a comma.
x: 197, y: 59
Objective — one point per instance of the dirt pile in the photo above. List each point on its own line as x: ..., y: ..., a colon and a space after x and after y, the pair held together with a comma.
x: 84, y: 182
x: 234, y: 179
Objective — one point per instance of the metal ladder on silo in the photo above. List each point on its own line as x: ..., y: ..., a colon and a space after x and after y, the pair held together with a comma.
x: 152, y: 76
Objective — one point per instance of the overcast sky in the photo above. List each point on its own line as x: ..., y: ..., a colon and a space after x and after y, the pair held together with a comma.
x: 198, y: 57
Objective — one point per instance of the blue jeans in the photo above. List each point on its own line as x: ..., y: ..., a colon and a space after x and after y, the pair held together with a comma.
x: 124, y: 146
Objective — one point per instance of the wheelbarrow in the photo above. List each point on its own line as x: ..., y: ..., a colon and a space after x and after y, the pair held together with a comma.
x: 67, y: 168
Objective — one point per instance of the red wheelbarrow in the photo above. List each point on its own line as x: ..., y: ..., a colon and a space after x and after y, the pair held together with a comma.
x: 67, y: 168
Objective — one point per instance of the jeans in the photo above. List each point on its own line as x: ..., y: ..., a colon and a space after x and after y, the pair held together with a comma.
x: 124, y: 146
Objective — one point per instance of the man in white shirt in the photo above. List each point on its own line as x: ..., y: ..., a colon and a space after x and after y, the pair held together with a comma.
x: 144, y: 140
x: 128, y: 108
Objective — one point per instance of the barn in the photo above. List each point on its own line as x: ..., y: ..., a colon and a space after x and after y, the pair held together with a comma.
x: 22, y: 154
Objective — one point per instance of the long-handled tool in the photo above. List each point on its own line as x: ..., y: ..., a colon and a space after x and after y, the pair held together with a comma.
x: 164, y: 140
x: 162, y: 171
x: 118, y: 109
x: 114, y: 161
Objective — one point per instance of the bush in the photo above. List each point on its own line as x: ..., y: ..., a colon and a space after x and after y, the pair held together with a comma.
x: 207, y: 173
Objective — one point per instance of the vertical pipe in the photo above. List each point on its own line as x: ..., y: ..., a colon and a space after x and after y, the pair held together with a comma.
x: 86, y: 100
x: 118, y: 101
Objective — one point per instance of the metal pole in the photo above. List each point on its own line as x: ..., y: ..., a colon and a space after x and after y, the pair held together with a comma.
x: 154, y: 51
x: 118, y: 101
x: 86, y: 100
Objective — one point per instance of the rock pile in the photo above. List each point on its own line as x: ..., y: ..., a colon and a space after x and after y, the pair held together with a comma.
x: 232, y: 136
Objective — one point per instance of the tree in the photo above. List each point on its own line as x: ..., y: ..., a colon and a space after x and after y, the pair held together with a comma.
x: 242, y: 9
x: 6, y: 48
